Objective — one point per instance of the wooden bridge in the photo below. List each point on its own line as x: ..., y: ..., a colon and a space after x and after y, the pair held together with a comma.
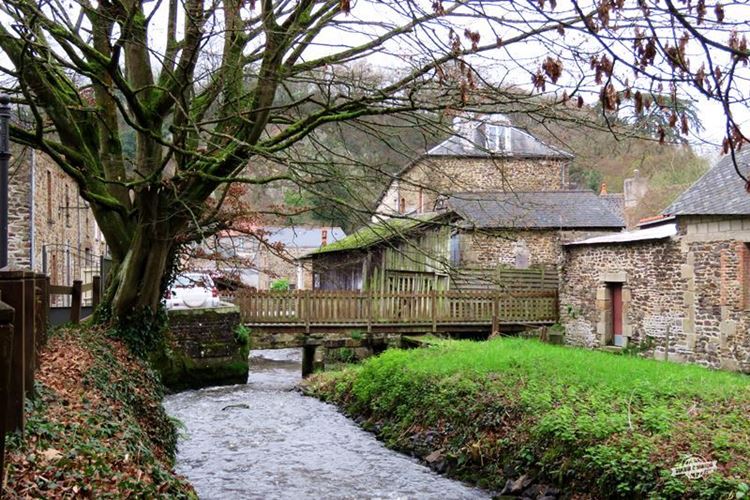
x: 324, y: 311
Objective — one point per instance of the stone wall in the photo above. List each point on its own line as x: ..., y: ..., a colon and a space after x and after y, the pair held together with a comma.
x: 541, y: 247
x: 204, y: 349
x: 683, y: 300
x: 431, y: 176
x: 44, y: 202
x: 488, y: 249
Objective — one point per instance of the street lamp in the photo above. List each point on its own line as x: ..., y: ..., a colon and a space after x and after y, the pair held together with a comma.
x: 4, y: 157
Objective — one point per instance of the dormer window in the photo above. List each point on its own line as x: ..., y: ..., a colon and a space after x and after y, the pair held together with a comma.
x: 498, y: 138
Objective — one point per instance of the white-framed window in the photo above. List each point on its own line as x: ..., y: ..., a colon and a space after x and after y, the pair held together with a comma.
x: 497, y: 137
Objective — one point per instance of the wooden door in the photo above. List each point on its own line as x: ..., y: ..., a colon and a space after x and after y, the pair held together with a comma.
x: 616, y: 290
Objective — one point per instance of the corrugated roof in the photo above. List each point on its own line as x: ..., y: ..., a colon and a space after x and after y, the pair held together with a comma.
x: 536, y: 210
x: 302, y: 237
x: 652, y: 233
x: 719, y: 192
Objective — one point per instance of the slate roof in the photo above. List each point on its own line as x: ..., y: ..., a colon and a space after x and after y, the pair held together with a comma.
x: 719, y: 192
x: 535, y: 210
x: 473, y: 144
x: 615, y: 202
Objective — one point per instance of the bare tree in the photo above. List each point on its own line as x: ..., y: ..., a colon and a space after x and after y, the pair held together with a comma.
x: 205, y: 90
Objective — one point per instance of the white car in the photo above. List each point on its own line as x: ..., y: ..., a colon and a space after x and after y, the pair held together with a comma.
x: 192, y: 290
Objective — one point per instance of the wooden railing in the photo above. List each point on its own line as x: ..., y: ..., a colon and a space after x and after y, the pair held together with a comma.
x: 363, y: 308
x: 76, y: 292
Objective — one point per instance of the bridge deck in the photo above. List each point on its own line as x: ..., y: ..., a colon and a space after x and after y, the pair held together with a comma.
x: 401, y: 311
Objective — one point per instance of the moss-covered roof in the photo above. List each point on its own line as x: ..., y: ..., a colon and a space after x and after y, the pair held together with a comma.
x: 375, y: 233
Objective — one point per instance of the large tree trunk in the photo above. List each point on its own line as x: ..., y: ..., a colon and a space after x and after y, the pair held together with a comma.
x: 137, y: 281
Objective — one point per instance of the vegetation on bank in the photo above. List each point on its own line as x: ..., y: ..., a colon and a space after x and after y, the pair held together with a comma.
x: 96, y: 427
x: 590, y: 422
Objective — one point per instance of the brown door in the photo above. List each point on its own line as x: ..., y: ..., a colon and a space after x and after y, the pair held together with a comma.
x: 616, y: 290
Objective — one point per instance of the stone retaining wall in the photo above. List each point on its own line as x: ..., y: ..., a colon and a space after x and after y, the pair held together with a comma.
x: 205, y: 349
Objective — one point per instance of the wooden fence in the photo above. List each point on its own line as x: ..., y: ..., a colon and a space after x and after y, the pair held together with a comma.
x: 363, y: 308
x: 24, y: 318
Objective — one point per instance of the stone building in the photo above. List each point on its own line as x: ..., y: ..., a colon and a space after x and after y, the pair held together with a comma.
x: 485, y: 153
x: 679, y: 287
x: 51, y: 228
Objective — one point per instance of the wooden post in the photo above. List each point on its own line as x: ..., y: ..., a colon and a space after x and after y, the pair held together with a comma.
x: 495, y: 315
x: 75, y: 303
x: 369, y: 313
x: 29, y: 331
x: 308, y: 360
x: 306, y: 305
x: 11, y: 288
x: 6, y: 360
x: 433, y: 310
x: 96, y: 292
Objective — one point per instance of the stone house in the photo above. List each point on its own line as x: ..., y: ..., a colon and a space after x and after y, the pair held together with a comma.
x: 262, y: 255
x: 679, y: 287
x: 485, y: 153
x: 51, y: 228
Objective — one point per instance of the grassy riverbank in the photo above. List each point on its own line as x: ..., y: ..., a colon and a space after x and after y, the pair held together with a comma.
x: 589, y: 422
x: 96, y: 428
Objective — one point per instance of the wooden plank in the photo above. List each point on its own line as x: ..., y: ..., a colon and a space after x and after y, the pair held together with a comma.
x: 60, y: 290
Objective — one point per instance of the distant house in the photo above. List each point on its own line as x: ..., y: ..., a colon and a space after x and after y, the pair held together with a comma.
x: 263, y: 255
x: 467, y: 245
x: 679, y: 287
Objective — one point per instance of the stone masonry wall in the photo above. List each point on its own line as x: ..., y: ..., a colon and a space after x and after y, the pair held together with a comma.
x: 432, y: 176
x: 204, y: 349
x: 488, y: 249
x: 684, y: 298
x: 58, y: 218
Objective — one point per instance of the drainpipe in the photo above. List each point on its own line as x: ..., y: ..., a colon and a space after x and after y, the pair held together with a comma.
x: 32, y: 183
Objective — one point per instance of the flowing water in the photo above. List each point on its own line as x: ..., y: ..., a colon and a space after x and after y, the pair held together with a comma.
x: 265, y: 440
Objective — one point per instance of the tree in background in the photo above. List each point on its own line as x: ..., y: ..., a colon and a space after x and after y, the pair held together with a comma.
x: 210, y: 90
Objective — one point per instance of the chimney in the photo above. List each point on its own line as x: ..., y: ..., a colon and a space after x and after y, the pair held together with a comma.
x: 323, y: 237
x: 603, y: 190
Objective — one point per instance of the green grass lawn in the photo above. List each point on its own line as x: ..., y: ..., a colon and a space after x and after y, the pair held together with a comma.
x: 590, y: 421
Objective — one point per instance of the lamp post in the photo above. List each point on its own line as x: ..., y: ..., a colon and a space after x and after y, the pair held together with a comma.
x: 4, y: 157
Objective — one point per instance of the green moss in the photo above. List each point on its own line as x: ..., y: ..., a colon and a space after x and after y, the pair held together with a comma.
x: 376, y: 233
x: 610, y: 426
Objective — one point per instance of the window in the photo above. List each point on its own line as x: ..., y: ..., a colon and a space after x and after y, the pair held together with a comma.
x: 455, y: 249
x: 497, y: 138
x: 49, y: 196
x: 402, y: 206
x: 67, y: 206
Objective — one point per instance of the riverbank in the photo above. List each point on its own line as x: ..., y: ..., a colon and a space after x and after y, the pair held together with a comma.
x: 96, y: 427
x: 517, y: 416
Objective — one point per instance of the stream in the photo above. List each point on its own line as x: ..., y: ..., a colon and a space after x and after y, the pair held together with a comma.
x: 266, y: 440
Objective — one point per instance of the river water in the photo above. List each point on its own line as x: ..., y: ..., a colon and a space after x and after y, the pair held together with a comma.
x: 280, y: 444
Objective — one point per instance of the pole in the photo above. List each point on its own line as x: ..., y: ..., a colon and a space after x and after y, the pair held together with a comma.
x: 4, y: 158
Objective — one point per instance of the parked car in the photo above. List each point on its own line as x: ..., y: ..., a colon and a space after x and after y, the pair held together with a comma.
x: 192, y: 290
